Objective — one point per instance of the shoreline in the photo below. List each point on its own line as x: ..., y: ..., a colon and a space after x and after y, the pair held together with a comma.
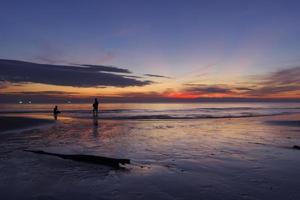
x: 13, y: 123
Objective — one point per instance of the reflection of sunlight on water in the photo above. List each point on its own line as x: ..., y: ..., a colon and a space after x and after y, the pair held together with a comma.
x: 157, y: 110
x: 157, y: 141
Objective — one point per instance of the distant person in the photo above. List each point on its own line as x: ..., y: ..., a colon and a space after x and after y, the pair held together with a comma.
x: 95, y: 107
x: 55, y: 112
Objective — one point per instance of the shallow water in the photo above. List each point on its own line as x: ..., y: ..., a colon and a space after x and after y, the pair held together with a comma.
x: 227, y: 158
x: 131, y: 111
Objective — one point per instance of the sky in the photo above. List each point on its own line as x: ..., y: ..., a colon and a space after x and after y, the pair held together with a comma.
x: 149, y: 50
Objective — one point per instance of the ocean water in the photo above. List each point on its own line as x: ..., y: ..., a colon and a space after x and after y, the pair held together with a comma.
x: 178, y: 151
x: 132, y: 111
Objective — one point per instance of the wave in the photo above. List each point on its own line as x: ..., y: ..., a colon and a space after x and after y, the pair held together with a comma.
x: 170, y: 117
x: 149, y: 110
x: 71, y: 111
x: 168, y: 114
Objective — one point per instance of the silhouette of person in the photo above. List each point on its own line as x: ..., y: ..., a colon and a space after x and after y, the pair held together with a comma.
x: 95, y: 107
x: 55, y: 112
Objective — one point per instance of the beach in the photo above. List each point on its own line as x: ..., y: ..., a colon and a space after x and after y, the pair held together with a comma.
x: 248, y: 157
x: 9, y: 123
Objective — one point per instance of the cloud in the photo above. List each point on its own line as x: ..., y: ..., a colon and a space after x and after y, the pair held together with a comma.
x: 60, y: 96
x: 276, y: 83
x: 102, y: 68
x: 284, y: 77
x: 46, y: 93
x: 243, y: 89
x: 4, y: 84
x: 40, y: 96
x: 157, y: 76
x: 281, y: 83
x: 207, y: 89
x: 273, y: 90
x: 66, y: 75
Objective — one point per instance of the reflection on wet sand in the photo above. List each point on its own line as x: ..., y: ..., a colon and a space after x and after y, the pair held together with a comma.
x: 95, y: 120
x: 55, y: 115
x: 95, y: 126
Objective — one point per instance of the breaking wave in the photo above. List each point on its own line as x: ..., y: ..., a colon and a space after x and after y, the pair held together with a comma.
x: 168, y: 114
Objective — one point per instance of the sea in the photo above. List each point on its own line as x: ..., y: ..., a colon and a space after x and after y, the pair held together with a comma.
x: 163, y: 111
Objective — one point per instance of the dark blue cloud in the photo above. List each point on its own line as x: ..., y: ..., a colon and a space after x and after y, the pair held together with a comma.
x: 157, y: 76
x: 78, y: 76
x: 106, y: 68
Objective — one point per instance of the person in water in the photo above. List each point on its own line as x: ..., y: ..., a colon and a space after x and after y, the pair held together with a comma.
x: 95, y: 107
x: 55, y: 112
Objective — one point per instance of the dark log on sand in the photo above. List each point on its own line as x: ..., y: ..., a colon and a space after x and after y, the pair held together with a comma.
x: 113, y: 162
x: 296, y: 147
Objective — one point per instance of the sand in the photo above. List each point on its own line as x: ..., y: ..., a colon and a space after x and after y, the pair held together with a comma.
x: 247, y: 158
x: 9, y: 123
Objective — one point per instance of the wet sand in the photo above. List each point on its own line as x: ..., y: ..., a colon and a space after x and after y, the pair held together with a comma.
x: 246, y: 158
x: 295, y: 123
x: 9, y: 123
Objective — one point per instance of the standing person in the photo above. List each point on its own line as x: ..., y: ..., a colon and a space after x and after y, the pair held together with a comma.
x: 55, y: 112
x: 95, y: 107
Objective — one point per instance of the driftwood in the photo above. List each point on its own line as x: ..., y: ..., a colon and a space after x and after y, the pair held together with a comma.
x: 113, y: 162
x: 296, y: 147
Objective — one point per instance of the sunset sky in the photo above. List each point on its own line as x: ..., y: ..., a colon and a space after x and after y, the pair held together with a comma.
x: 149, y: 50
